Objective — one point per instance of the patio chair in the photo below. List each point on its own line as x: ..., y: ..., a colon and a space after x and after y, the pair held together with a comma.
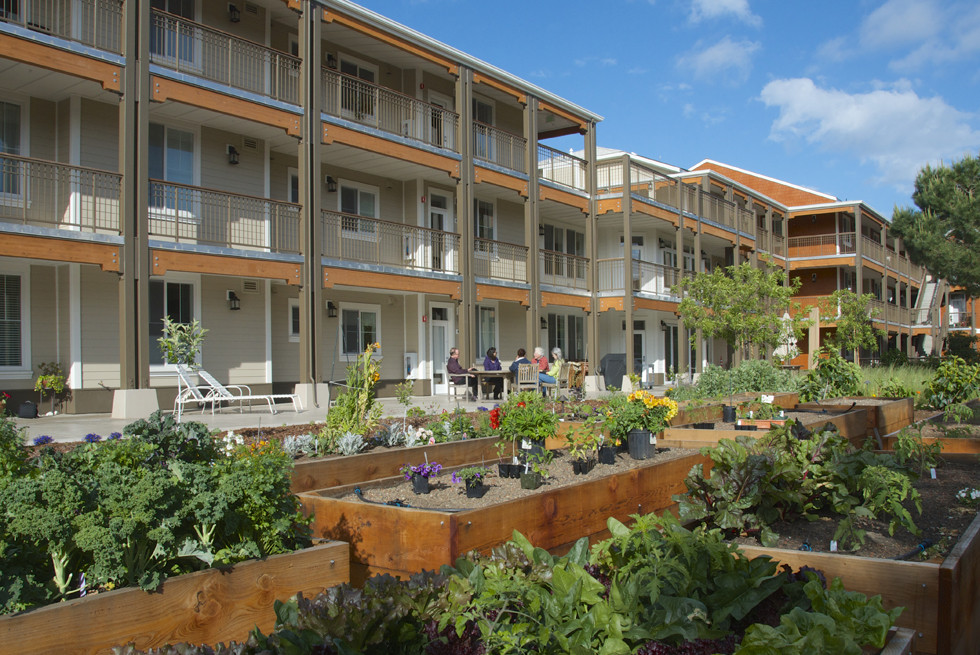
x: 527, y: 377
x: 560, y: 383
x: 240, y: 393
x: 189, y: 393
x: 453, y: 389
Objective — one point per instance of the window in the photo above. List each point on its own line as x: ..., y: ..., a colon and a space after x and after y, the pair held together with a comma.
x: 293, y: 191
x: 10, y: 141
x: 294, y: 324
x: 358, y: 327
x: 567, y: 333
x: 484, y: 225
x: 174, y: 300
x: 164, y: 39
x: 483, y: 116
x: 358, y: 200
x: 357, y: 92
x: 486, y: 329
x: 12, y: 330
x: 171, y: 159
x: 570, y: 242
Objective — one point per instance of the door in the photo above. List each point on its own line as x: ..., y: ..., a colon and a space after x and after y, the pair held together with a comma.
x: 440, y: 331
x: 438, y: 130
x: 670, y: 350
x: 439, y: 252
x: 639, y: 355
x: 483, y: 117
x: 357, y: 93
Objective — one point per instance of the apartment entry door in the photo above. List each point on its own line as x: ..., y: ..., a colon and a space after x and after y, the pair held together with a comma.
x: 441, y: 335
x: 440, y: 219
x: 670, y: 348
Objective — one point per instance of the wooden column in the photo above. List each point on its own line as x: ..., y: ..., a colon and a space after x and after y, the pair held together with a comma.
x: 466, y: 324
x: 531, y: 222
x: 592, y: 250
x: 627, y: 203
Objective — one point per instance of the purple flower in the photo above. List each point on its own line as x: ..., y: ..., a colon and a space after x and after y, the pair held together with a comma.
x: 43, y: 439
x: 115, y: 435
x: 91, y: 437
x: 425, y: 470
x: 482, y: 409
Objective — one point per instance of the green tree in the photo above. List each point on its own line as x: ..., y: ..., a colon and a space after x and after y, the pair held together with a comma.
x: 944, y: 233
x: 743, y: 305
x: 853, y: 315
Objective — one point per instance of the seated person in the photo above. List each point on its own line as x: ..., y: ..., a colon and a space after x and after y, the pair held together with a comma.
x: 552, y: 373
x: 453, y: 366
x: 540, y: 360
x: 491, y: 363
x: 521, y: 359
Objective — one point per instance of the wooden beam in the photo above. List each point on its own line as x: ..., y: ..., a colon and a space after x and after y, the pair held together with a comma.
x: 610, y: 205
x: 657, y: 305
x: 511, y: 294
x: 563, y: 197
x: 504, y: 181
x: 372, y: 143
x: 480, y: 78
x: 61, y: 61
x: 580, y: 123
x: 193, y: 262
x: 611, y: 303
x: 393, y: 282
x: 331, y: 15
x: 28, y: 246
x: 565, y: 300
x: 163, y: 89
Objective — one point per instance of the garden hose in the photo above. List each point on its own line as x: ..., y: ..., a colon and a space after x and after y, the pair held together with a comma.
x: 398, y: 502
x: 926, y: 543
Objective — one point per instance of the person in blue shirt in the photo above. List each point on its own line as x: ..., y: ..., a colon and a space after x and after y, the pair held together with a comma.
x: 521, y: 359
x: 491, y: 363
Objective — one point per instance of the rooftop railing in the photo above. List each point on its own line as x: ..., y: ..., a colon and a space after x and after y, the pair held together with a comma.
x: 204, y: 216
x: 96, y: 23
x: 563, y: 270
x: 195, y: 49
x: 499, y: 147
x: 354, y: 99
x: 499, y: 260
x: 49, y: 194
x: 561, y: 168
x: 386, y: 243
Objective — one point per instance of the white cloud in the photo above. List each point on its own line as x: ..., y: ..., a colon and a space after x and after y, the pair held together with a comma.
x: 893, y: 128
x: 709, y: 9
x: 726, y: 57
x: 898, y: 23
x: 592, y: 60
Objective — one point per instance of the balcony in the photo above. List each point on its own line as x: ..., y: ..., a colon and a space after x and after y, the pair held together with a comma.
x: 385, y: 243
x: 822, y: 245
x: 561, y: 168
x: 48, y: 194
x: 644, y: 183
x: 353, y: 99
x: 561, y: 270
x: 498, y: 260
x: 493, y: 145
x: 194, y: 49
x: 187, y: 214
x: 95, y: 23
x: 647, y: 277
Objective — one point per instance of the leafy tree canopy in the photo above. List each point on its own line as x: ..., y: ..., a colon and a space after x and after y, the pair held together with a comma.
x: 853, y: 315
x: 743, y: 305
x: 944, y: 233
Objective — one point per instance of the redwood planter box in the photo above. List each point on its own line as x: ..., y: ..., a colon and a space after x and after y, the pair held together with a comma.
x: 950, y: 446
x: 888, y: 415
x: 208, y: 606
x: 941, y: 601
x: 322, y: 473
x: 850, y: 424
x: 402, y: 541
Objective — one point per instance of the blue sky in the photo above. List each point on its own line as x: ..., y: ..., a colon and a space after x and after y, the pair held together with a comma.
x: 849, y: 98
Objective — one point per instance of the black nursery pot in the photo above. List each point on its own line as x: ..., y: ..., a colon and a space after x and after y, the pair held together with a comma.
x: 476, y: 490
x: 728, y: 413
x: 504, y: 470
x: 607, y: 455
x: 420, y: 484
x: 704, y: 426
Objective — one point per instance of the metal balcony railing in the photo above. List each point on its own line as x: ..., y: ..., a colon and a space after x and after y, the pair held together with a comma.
x: 195, y: 215
x: 385, y: 243
x: 646, y: 277
x: 562, y: 270
x: 718, y: 210
x: 779, y: 245
x: 195, y: 49
x: 354, y: 99
x: 745, y: 219
x: 499, y: 260
x: 44, y: 193
x: 96, y: 23
x: 821, y: 245
x: 561, y: 168
x: 499, y: 147
x: 873, y: 250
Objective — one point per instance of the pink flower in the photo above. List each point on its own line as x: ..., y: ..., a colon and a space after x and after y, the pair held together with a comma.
x: 432, y: 440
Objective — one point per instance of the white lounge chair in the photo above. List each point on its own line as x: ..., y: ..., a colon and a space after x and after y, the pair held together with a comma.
x: 189, y: 393
x: 241, y: 393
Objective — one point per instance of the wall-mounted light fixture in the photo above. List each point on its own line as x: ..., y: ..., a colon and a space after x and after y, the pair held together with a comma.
x: 234, y: 14
x: 331, y: 185
x: 664, y: 326
x: 232, y: 155
x: 813, y: 277
x: 331, y: 309
x: 540, y: 230
x: 234, y: 304
x: 331, y: 62
x: 544, y: 323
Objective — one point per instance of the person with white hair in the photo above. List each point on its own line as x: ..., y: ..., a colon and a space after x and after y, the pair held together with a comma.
x: 556, y: 363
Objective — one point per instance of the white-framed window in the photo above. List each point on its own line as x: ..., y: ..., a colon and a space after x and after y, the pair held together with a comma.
x: 177, y: 297
x: 292, y: 185
x: 15, y: 321
x: 484, y: 224
x: 569, y: 242
x: 568, y: 333
x: 357, y: 88
x: 172, y: 158
x: 486, y: 329
x: 293, y: 326
x: 13, y: 141
x: 483, y: 111
x: 360, y: 325
x: 169, y: 43
x: 355, y: 200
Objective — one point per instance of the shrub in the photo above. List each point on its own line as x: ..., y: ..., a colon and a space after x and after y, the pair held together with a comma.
x: 955, y: 381
x: 832, y: 377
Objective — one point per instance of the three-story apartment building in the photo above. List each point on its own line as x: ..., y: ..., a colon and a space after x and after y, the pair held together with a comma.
x: 306, y: 177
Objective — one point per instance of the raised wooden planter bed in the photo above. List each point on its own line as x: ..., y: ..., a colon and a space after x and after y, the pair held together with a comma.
x: 941, y: 600
x: 310, y: 474
x: 204, y: 607
x: 850, y: 424
x: 950, y: 446
x: 890, y: 415
x: 402, y: 541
